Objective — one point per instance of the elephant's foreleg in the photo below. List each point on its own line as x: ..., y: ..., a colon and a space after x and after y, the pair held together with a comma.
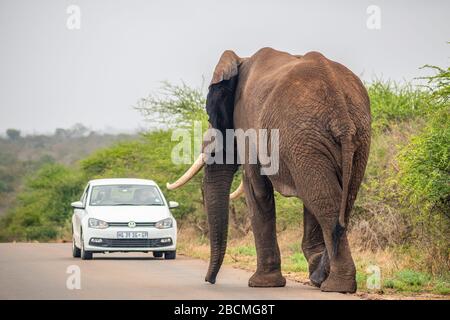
x: 261, y: 203
x: 313, y: 247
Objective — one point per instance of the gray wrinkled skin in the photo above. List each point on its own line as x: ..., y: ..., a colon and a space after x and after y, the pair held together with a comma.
x: 322, y: 111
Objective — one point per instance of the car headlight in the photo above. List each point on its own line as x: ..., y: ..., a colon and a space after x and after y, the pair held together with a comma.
x: 97, y: 224
x: 164, y: 224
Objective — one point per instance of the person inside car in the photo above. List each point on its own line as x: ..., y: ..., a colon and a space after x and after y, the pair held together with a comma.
x: 146, y: 196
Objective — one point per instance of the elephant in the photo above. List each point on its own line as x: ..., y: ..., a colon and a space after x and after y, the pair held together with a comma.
x: 322, y: 112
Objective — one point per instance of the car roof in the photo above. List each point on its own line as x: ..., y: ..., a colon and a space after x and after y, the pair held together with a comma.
x: 121, y: 181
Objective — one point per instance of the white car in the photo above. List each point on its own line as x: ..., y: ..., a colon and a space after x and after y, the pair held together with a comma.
x: 122, y: 215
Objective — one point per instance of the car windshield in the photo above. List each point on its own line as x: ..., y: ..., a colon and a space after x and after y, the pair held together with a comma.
x: 125, y: 195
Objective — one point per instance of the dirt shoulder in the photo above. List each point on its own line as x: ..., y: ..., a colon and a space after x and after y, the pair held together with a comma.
x: 398, y: 281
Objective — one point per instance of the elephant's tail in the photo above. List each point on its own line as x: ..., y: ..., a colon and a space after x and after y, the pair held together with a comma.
x: 347, y: 148
x: 347, y: 161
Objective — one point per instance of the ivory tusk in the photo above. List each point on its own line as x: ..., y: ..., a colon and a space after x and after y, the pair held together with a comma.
x: 189, y: 174
x: 238, y: 192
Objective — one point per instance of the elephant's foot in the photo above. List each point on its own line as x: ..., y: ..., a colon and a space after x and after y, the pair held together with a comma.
x: 272, y: 279
x: 313, y: 262
x: 339, y: 284
x: 319, y: 269
x: 318, y: 277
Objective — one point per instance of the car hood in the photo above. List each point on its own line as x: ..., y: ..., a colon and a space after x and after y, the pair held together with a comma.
x: 129, y: 213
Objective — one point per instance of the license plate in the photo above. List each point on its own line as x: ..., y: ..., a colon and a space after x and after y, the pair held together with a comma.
x: 132, y: 234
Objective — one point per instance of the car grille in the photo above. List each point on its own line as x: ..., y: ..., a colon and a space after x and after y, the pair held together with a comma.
x: 131, y: 243
x: 138, y: 224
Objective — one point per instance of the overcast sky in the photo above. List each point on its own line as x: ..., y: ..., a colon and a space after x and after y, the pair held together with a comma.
x: 52, y: 77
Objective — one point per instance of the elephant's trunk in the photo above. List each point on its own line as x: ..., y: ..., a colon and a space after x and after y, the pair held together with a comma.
x: 216, y: 186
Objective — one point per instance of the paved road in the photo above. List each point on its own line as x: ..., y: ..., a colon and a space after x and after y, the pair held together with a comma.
x: 39, y: 271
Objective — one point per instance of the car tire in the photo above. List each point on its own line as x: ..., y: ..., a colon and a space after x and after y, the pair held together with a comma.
x: 76, y: 252
x: 170, y: 255
x: 85, y: 255
x: 158, y: 254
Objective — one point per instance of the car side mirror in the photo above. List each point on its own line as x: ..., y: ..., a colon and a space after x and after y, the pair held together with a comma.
x: 173, y: 204
x: 77, y: 205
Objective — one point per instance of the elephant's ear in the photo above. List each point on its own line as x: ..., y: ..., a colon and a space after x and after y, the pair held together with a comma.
x: 220, y: 99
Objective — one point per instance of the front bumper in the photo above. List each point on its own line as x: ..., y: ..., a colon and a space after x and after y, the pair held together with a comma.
x: 157, y: 240
x: 130, y: 243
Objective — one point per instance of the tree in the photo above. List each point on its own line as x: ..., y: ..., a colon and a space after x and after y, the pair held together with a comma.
x: 61, y: 133
x: 78, y: 130
x: 175, y: 106
x: 13, y: 134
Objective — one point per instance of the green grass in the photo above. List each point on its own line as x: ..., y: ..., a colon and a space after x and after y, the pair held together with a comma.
x: 441, y: 287
x: 296, y: 262
x: 408, y: 280
x: 243, y: 251
x: 361, y: 279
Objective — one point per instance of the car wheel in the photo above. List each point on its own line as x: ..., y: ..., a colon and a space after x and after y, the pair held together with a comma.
x: 157, y: 254
x: 170, y: 255
x: 85, y: 255
x: 76, y: 252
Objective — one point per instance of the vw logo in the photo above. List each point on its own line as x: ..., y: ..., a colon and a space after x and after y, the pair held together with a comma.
x: 132, y: 224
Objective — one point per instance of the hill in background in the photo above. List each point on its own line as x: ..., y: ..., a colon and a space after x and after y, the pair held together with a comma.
x: 20, y: 156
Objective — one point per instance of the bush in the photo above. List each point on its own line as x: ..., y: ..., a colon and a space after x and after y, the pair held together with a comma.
x: 404, y: 199
x: 391, y: 103
x: 175, y: 106
x: 425, y: 162
x: 424, y: 166
x: 424, y: 177
x: 43, y: 207
x: 147, y: 158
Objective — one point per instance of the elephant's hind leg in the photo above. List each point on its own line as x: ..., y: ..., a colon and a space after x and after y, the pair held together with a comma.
x: 323, y: 199
x: 261, y: 203
x: 313, y: 247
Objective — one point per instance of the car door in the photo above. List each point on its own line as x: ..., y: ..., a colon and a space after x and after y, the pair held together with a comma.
x: 78, y: 214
